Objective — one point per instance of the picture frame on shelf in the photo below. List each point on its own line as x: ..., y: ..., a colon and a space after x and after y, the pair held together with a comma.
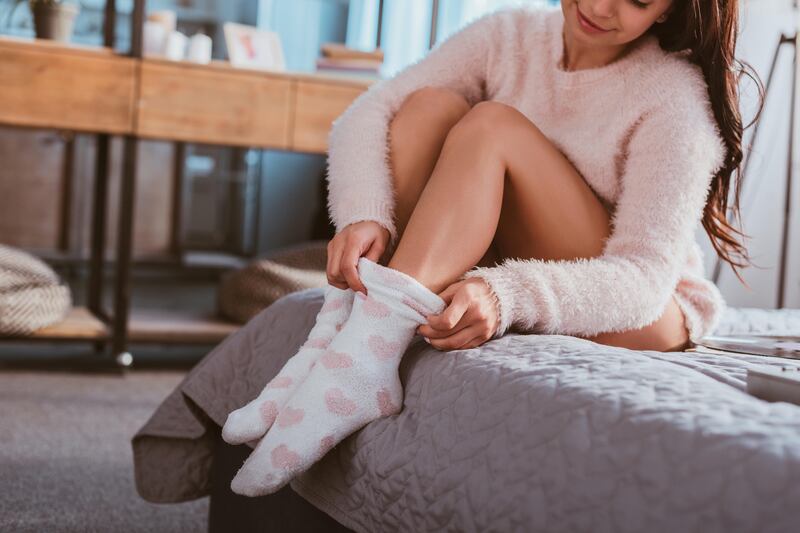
x: 253, y: 48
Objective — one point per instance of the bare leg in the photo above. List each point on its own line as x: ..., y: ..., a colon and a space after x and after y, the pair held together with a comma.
x: 462, y: 209
x: 416, y: 135
x: 442, y: 243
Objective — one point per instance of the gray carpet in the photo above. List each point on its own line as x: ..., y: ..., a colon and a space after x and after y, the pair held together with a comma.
x: 65, y: 454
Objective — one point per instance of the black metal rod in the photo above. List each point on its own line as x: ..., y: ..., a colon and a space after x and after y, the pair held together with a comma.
x: 179, y: 158
x: 100, y: 193
x: 67, y: 190
x: 98, y: 236
x: 137, y: 26
x: 434, y: 23
x: 787, y: 206
x: 127, y: 196
x: 110, y: 23
x: 124, y: 246
x: 380, y: 24
x: 259, y: 183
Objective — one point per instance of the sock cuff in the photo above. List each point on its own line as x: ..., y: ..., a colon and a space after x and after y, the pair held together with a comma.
x: 377, y: 275
x: 332, y: 291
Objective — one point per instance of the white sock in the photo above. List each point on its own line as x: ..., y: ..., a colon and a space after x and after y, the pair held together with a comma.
x: 354, y: 382
x: 254, y: 419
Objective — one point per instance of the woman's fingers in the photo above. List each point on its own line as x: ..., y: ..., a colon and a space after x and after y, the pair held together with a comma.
x: 453, y: 318
x: 460, y: 339
x: 334, y: 257
x: 375, y: 251
x: 347, y: 247
x: 349, y: 268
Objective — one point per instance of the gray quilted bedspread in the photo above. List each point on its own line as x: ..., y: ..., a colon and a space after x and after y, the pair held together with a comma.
x: 525, y: 433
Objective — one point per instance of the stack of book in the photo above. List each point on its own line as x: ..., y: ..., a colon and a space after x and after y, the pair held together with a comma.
x: 338, y: 58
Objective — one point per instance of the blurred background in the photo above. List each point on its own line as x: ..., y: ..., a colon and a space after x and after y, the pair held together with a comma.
x: 200, y: 209
x: 223, y: 183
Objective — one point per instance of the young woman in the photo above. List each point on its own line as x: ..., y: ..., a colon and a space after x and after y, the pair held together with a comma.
x: 572, y: 147
x: 541, y: 169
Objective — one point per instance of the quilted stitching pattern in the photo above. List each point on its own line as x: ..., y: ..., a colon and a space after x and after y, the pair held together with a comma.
x: 525, y: 433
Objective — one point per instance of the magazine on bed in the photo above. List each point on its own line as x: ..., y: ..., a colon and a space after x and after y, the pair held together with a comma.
x: 769, y: 345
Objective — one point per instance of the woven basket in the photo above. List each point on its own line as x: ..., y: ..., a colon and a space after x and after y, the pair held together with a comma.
x: 245, y: 292
x: 31, y: 293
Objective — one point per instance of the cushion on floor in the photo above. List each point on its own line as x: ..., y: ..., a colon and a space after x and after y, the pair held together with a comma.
x: 32, y: 295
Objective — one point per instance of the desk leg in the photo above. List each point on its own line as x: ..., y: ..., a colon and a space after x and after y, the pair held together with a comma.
x: 96, y: 258
x: 124, y: 247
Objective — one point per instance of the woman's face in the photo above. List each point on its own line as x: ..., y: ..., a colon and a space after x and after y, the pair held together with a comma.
x: 623, y: 20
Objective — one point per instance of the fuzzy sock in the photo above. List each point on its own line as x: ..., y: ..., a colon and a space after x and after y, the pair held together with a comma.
x: 353, y: 383
x: 254, y: 419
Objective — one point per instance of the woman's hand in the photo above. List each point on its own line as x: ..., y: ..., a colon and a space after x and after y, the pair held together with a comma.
x: 366, y: 238
x: 470, y: 318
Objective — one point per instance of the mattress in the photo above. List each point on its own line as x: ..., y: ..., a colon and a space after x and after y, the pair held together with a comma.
x: 524, y: 433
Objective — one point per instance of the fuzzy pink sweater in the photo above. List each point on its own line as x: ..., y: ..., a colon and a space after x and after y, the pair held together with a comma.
x: 641, y: 132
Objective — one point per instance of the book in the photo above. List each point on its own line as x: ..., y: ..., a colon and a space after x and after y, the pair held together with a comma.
x: 338, y: 50
x: 348, y: 64
x: 786, y: 346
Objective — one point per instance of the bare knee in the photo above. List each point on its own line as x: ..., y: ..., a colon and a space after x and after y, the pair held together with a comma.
x: 491, y: 118
x: 435, y: 104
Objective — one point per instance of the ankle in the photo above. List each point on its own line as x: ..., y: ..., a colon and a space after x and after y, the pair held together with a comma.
x: 425, y: 276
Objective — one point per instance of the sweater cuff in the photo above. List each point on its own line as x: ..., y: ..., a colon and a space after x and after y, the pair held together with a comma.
x: 503, y: 288
x: 376, y: 212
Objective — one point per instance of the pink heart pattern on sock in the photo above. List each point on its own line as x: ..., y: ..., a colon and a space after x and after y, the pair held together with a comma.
x: 385, y: 404
x: 333, y: 359
x: 283, y: 457
x: 290, y: 417
x: 373, y: 307
x: 269, y: 410
x: 383, y: 349
x: 279, y: 382
x: 332, y: 305
x: 379, y: 327
x: 319, y: 342
x: 326, y: 444
x: 338, y: 403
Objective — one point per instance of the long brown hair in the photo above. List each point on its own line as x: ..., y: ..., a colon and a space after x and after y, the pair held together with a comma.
x: 708, y: 29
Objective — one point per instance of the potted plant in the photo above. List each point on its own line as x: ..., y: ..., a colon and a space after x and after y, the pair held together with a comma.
x: 52, y: 19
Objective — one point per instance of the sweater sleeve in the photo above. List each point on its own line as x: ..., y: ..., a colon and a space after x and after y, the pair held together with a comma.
x: 673, y: 152
x: 360, y: 185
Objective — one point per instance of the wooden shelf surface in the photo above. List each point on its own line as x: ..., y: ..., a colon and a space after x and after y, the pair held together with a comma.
x: 79, y: 324
x: 173, y: 327
x: 146, y: 326
x: 49, y: 45
x: 224, y: 67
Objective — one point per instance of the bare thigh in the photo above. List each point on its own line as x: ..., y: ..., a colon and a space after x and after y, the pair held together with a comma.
x: 550, y: 212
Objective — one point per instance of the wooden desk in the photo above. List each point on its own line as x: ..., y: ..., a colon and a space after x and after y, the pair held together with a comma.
x: 45, y: 84
x: 213, y: 105
x: 219, y: 104
x: 51, y: 85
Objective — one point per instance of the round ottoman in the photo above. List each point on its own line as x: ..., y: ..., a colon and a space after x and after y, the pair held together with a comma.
x: 245, y: 292
x: 31, y: 293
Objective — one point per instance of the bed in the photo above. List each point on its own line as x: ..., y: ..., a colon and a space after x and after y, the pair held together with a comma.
x: 524, y: 433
